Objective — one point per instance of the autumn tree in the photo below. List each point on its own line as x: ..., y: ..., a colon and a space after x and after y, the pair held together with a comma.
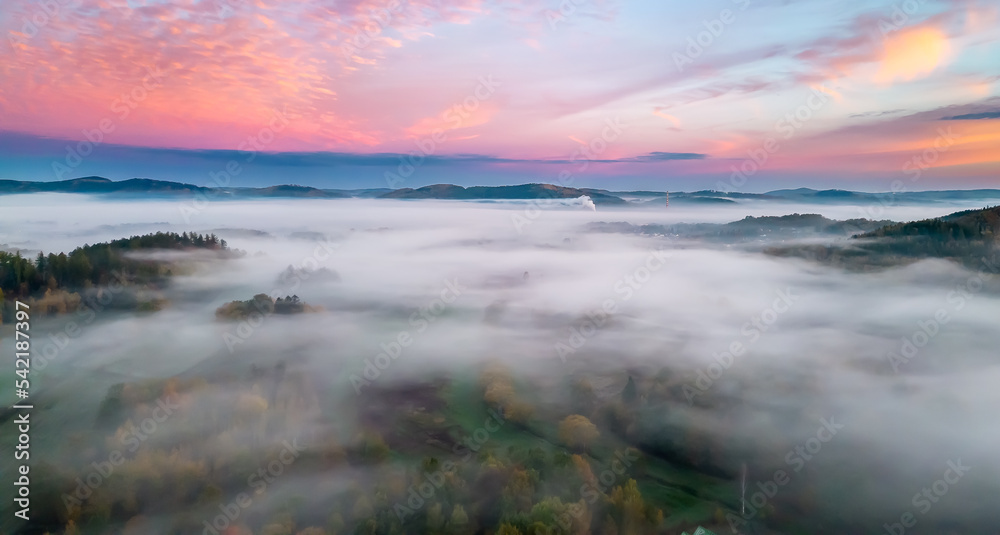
x: 584, y: 470
x: 435, y: 518
x: 631, y: 512
x: 458, y: 520
x: 507, y: 529
x: 517, y: 495
x: 498, y: 391
x: 577, y: 431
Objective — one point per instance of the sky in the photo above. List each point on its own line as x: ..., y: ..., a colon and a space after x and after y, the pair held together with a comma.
x: 739, y: 95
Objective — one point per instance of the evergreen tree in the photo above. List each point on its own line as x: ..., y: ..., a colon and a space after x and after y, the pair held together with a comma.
x: 629, y: 394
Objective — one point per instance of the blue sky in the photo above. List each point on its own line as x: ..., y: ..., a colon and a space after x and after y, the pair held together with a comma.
x: 766, y: 94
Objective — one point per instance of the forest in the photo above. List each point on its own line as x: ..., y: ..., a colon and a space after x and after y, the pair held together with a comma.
x: 462, y: 454
x: 55, y: 280
x: 965, y: 237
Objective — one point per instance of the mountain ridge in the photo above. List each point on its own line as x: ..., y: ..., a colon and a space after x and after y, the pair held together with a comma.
x: 97, y: 185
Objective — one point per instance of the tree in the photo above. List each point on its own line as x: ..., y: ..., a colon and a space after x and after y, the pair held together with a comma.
x: 577, y: 431
x: 435, y: 518
x: 629, y: 394
x: 362, y: 508
x: 517, y: 495
x: 584, y: 470
x: 507, y: 529
x: 458, y: 517
x: 634, y: 514
x: 582, y: 396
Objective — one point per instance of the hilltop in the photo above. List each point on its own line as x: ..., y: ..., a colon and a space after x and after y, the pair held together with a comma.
x: 524, y: 191
x: 967, y: 237
x: 146, y: 187
x: 982, y: 224
x: 751, y: 228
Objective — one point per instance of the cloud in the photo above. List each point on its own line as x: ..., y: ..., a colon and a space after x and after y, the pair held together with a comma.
x: 15, y: 143
x: 663, y: 157
x: 973, y: 116
x: 911, y: 54
x: 876, y: 113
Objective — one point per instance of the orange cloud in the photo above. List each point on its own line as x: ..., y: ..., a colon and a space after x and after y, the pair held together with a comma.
x: 829, y: 91
x: 912, y: 54
x: 457, y: 117
x: 676, y: 122
x: 227, y: 65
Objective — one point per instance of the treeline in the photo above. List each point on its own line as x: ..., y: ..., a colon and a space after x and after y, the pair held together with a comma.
x: 967, y: 225
x: 964, y: 237
x: 264, y: 305
x: 98, y: 264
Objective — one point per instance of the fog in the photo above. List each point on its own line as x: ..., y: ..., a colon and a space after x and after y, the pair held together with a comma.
x: 511, y: 282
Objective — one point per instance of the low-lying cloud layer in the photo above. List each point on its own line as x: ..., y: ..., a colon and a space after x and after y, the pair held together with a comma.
x: 894, y: 371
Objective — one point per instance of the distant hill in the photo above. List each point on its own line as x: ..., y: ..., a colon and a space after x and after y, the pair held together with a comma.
x: 806, y: 193
x: 965, y: 237
x: 288, y: 190
x: 369, y: 193
x: 751, y: 228
x: 145, y: 187
x: 965, y: 225
x: 812, y: 196
x: 682, y: 198
x: 524, y: 191
x: 806, y: 222
x: 96, y: 184
x: 838, y: 196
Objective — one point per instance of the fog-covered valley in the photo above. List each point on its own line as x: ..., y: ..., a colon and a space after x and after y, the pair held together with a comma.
x: 756, y: 393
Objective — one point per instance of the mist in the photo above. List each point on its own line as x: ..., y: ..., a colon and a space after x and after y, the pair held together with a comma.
x: 762, y: 353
